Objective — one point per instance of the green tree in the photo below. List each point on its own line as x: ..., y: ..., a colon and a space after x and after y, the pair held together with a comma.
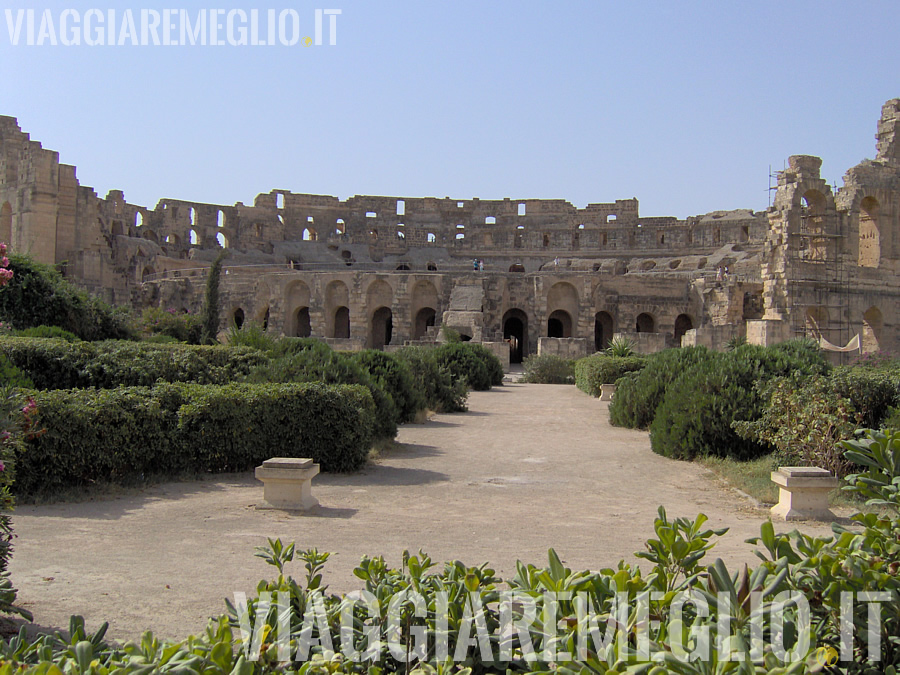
x: 210, y: 312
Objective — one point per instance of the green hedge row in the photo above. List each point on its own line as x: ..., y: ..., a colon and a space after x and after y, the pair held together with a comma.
x: 598, y: 369
x: 57, y: 364
x: 127, y: 434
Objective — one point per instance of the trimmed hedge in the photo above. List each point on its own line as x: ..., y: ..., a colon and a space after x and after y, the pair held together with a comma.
x: 322, y: 364
x: 129, y: 434
x: 57, y: 364
x: 598, y: 369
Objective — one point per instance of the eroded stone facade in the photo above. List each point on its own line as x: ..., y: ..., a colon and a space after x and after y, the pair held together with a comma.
x: 383, y: 271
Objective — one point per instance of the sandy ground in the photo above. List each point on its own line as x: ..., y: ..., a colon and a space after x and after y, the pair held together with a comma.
x: 528, y: 468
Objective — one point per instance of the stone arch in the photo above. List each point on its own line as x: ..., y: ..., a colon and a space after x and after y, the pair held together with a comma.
x: 645, y: 323
x: 559, y: 324
x: 337, y: 312
x: 381, y: 328
x: 683, y: 323
x: 150, y: 235
x: 6, y: 223
x: 873, y: 327
x: 517, y: 267
x: 604, y: 327
x: 515, y: 332
x: 869, y: 233
x: 302, y: 324
x: 379, y: 293
x: 425, y: 319
x: 297, y: 298
x: 238, y: 318
x: 147, y: 273
x: 423, y: 305
x: 563, y: 296
x: 309, y: 234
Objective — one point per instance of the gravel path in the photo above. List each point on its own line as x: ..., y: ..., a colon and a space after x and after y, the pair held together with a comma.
x: 528, y: 468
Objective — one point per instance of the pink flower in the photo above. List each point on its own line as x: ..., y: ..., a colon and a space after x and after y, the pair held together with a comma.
x: 2, y: 467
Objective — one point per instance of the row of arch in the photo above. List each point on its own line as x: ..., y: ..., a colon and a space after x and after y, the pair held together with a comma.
x: 818, y: 245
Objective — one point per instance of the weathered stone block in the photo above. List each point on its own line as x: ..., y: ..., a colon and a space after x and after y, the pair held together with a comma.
x: 287, y: 483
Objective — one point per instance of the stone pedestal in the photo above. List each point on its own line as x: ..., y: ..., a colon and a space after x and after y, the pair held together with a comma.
x: 803, y: 493
x: 287, y: 483
x: 607, y: 391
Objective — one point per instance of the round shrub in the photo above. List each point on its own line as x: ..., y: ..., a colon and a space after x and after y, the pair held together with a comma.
x: 473, y: 363
x: 441, y: 392
x: 638, y: 395
x: 394, y: 375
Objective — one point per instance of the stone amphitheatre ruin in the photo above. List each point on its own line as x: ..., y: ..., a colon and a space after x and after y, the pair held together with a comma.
x: 386, y: 271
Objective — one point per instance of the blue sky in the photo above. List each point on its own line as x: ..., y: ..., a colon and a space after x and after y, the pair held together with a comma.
x: 683, y: 105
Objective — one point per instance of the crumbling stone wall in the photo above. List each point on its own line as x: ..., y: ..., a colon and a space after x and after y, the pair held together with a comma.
x: 380, y: 271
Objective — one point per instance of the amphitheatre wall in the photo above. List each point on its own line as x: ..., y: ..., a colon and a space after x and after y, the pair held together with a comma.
x: 381, y: 271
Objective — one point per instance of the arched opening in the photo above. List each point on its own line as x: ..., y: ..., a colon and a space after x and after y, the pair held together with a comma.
x: 117, y: 228
x: 6, y: 223
x: 403, y: 267
x: 869, y: 235
x: 382, y: 328
x: 194, y: 239
x: 516, y: 268
x: 339, y: 226
x: 644, y: 323
x: 308, y: 234
x: 559, y: 324
x: 430, y: 238
x: 138, y: 219
x: 683, y: 323
x: 424, y: 320
x: 873, y: 324
x: 147, y: 273
x: 515, y: 332
x: 431, y: 267
x: 341, y: 323
x: 220, y: 218
x: 302, y: 327
x: 603, y: 330
x: 222, y: 240
x: 546, y: 240
x: 238, y: 318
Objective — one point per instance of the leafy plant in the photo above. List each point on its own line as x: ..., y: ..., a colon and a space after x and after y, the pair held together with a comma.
x: 442, y: 393
x: 180, y: 326
x: 620, y: 346
x: 548, y: 369
x: 472, y: 362
x: 252, y: 335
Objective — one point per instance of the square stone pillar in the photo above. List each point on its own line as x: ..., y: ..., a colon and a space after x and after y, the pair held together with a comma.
x: 803, y: 493
x: 287, y: 483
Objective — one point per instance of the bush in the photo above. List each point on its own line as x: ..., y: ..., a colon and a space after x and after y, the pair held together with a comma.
x: 326, y: 365
x: 441, y: 392
x: 394, y: 375
x: 599, y: 369
x: 805, y: 420
x: 252, y: 335
x: 180, y: 326
x: 37, y: 295
x: 130, y: 434
x: 473, y: 363
x: 548, y: 369
x: 56, y: 364
x: 47, y: 332
x: 639, y: 393
x: 696, y: 414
